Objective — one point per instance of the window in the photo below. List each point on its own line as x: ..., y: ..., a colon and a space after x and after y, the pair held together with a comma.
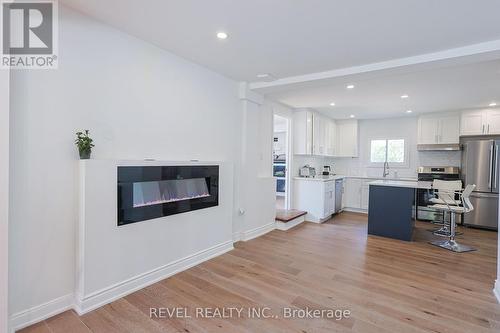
x: 392, y: 151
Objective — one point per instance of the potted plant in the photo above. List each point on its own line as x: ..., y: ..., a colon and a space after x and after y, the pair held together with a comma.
x: 84, y: 144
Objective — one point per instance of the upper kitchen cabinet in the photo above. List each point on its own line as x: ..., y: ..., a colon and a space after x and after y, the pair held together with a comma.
x: 346, y: 143
x: 319, y: 134
x: 314, y: 134
x: 480, y: 122
x: 331, y: 138
x: 443, y: 128
x: 303, y: 132
x: 493, y: 121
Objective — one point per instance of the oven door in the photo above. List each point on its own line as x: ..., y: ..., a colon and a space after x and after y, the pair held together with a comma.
x: 424, y: 213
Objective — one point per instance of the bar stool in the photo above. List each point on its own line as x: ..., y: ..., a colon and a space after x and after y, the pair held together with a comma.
x: 444, y: 187
x: 453, y: 209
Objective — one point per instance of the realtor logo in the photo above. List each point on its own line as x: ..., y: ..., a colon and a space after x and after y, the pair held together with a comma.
x: 29, y: 34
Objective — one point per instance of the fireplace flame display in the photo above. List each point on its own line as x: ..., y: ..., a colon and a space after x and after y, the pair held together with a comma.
x: 150, y: 192
x: 159, y: 192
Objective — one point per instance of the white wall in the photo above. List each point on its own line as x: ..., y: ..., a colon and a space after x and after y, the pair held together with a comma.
x: 138, y: 101
x: 113, y: 260
x: 4, y: 197
x: 255, y: 194
x: 405, y: 128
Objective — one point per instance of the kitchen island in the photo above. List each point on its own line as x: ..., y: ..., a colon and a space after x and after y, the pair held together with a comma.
x: 391, y: 208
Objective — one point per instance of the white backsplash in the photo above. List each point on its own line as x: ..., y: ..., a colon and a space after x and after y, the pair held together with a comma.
x: 403, y: 127
x: 440, y: 158
x: 355, y: 167
x: 316, y: 162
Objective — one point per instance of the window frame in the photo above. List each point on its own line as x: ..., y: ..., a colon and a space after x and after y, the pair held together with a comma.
x: 404, y: 164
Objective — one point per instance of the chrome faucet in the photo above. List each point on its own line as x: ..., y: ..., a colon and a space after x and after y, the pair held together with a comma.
x: 386, y: 169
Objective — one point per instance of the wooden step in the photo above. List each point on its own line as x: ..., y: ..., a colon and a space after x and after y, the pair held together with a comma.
x: 287, y: 215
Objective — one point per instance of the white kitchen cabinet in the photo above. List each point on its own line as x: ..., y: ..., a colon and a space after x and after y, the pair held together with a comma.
x: 427, y: 130
x: 313, y: 134
x: 493, y: 121
x: 480, y: 122
x: 316, y: 197
x: 472, y: 123
x: 329, y: 204
x: 331, y: 139
x: 365, y: 194
x: 356, y: 194
x: 319, y: 134
x: 449, y: 129
x: 352, y: 193
x: 346, y: 144
x: 303, y: 132
x: 439, y: 129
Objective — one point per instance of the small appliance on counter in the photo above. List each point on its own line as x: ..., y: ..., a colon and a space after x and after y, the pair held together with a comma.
x: 327, y: 170
x: 307, y: 171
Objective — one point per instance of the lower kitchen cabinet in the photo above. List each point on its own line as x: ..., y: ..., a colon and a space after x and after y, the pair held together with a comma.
x: 356, y: 195
x: 316, y: 197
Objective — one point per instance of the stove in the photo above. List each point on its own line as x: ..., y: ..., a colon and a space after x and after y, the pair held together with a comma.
x: 423, y: 196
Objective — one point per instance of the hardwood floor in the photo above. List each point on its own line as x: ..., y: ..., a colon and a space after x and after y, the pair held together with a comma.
x: 388, y: 286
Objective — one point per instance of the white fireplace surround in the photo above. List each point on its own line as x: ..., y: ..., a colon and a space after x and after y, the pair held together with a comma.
x: 113, y: 261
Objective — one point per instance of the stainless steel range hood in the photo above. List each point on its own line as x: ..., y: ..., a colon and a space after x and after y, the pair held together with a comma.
x: 439, y: 147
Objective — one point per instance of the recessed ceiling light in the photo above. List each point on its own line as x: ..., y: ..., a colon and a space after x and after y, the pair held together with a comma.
x: 332, y: 104
x: 221, y: 35
x: 351, y: 86
x: 409, y: 111
x: 352, y: 116
x: 404, y: 96
x: 263, y: 75
x: 493, y: 104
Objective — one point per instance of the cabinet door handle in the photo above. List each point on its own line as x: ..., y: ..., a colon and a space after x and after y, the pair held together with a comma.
x: 483, y: 128
x: 488, y: 128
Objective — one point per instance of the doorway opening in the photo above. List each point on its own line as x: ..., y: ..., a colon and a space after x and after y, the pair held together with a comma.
x: 281, y: 160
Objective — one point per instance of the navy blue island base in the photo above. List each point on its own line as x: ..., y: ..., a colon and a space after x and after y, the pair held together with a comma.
x: 391, y: 211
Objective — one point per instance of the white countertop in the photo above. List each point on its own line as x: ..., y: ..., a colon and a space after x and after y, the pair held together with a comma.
x: 335, y: 177
x: 320, y: 178
x: 409, y: 179
x: 402, y: 183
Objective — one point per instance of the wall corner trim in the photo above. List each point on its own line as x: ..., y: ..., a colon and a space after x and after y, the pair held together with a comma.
x: 496, y: 290
x: 245, y: 94
x: 41, y: 312
x: 257, y: 232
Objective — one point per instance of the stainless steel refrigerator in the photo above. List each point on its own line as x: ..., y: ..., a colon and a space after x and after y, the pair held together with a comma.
x: 480, y: 166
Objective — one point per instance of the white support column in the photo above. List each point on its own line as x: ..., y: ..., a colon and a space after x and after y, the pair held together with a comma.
x: 4, y: 198
x: 254, y: 184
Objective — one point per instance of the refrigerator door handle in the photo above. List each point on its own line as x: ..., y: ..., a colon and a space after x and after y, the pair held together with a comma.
x: 495, y: 174
x: 491, y: 165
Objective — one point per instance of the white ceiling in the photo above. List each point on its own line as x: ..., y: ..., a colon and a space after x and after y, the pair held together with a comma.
x: 289, y: 38
x: 378, y: 95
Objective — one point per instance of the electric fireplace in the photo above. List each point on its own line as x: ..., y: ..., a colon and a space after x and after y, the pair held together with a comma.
x: 149, y: 192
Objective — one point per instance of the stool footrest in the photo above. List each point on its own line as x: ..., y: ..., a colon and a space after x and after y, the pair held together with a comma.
x: 452, y: 245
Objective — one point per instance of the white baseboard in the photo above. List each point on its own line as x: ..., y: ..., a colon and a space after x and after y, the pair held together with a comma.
x: 256, y: 232
x: 236, y: 237
x: 124, y: 288
x: 290, y: 224
x: 356, y: 210
x: 496, y: 290
x: 40, y: 312
x: 83, y: 305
